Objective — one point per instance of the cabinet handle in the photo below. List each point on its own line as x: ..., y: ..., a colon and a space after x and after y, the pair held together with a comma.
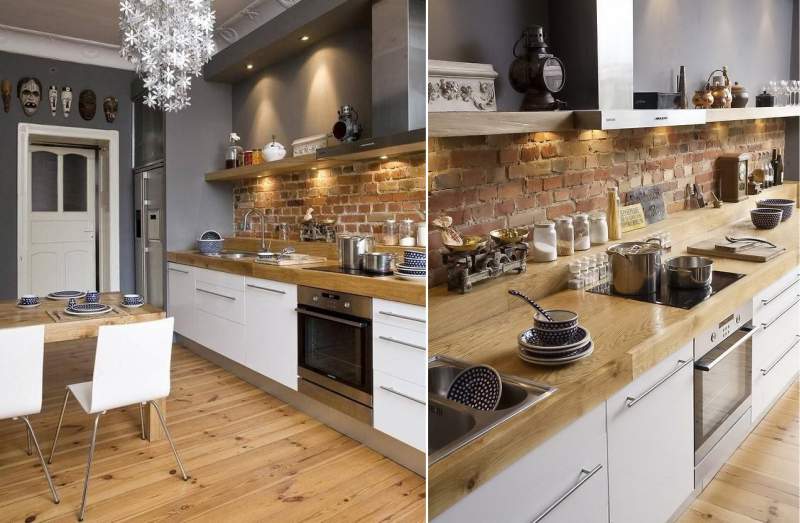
x: 393, y: 315
x: 766, y: 326
x: 386, y: 338
x: 630, y: 401
x: 706, y: 367
x: 406, y: 396
x: 328, y: 317
x: 177, y: 270
x: 217, y: 294
x: 265, y: 289
x: 585, y: 476
x: 766, y: 371
x: 767, y: 302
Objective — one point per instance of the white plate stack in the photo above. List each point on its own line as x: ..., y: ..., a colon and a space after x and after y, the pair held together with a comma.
x: 414, y: 266
x: 534, y: 350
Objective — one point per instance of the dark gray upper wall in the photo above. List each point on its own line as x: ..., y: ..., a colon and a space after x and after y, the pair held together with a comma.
x: 104, y: 82
x: 753, y: 38
x: 299, y: 96
x: 483, y: 32
x: 196, y: 140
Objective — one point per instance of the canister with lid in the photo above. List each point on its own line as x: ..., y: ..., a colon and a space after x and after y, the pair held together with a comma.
x: 544, y: 241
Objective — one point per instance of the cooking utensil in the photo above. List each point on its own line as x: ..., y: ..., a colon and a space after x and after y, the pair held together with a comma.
x: 378, y: 262
x: 689, y: 272
x: 478, y: 387
x: 509, y: 235
x: 751, y: 240
x: 635, y: 266
x: 531, y: 303
x: 352, y: 250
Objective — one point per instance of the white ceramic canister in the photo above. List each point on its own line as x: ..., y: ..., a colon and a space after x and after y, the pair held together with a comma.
x: 598, y: 228
x: 544, y: 241
x: 581, y: 226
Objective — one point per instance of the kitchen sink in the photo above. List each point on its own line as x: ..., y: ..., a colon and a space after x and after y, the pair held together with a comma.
x: 233, y: 255
x: 452, y: 425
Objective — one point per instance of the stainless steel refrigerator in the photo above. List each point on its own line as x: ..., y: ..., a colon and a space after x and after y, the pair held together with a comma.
x: 150, y: 234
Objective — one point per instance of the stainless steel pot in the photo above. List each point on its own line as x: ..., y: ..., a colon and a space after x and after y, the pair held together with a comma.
x: 689, y: 272
x: 378, y: 262
x: 635, y: 267
x: 352, y: 249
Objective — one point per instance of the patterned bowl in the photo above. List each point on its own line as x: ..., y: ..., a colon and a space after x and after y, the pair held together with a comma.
x: 418, y: 264
x: 211, y: 235
x: 28, y: 299
x: 561, y: 320
x: 778, y: 203
x: 414, y: 255
x: 556, y: 337
x: 766, y: 218
x: 210, y: 246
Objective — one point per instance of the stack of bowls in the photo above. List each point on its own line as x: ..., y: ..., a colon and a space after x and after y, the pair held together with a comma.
x: 555, y: 342
x: 210, y: 242
x: 784, y: 205
x: 413, y: 267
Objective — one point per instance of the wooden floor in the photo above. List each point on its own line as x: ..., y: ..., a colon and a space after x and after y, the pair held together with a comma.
x: 760, y: 481
x: 251, y: 458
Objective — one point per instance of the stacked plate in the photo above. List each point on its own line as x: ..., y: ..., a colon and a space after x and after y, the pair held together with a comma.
x: 413, y: 267
x: 87, y: 309
x: 532, y: 349
x: 66, y: 295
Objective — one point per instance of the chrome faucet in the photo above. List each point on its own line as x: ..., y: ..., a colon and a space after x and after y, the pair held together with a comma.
x: 263, y: 218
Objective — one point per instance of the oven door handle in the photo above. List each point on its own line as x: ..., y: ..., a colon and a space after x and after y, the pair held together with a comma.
x: 351, y: 323
x: 706, y: 366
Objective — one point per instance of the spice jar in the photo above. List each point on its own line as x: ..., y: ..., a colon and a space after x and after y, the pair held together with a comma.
x: 598, y: 228
x: 566, y: 236
x: 581, y: 226
x: 422, y: 234
x: 407, y: 238
x: 544, y: 241
x: 390, y: 232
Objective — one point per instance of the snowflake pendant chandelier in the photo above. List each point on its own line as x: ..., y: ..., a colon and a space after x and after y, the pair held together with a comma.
x: 168, y: 41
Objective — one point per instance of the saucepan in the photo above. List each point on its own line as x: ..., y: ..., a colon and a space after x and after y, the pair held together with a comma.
x: 635, y: 267
x: 689, y: 272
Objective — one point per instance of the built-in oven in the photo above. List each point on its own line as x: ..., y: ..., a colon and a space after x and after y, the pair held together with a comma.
x: 722, y: 390
x: 335, y: 349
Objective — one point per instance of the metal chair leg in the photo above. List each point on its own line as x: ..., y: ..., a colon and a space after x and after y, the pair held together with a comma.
x: 28, y: 449
x: 169, y: 437
x: 32, y: 436
x: 89, y: 468
x: 141, y: 418
x: 58, y: 428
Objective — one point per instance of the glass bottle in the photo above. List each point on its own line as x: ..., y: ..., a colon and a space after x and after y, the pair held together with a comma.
x: 544, y: 242
x: 598, y: 228
x: 614, y: 218
x: 390, y: 232
x: 779, y: 170
x: 422, y: 234
x: 566, y: 236
x: 407, y: 237
x: 581, y: 227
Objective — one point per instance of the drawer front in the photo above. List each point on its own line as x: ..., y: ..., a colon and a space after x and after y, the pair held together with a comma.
x: 219, y: 301
x: 412, y: 317
x: 398, y: 406
x: 275, y: 289
x: 220, y: 335
x: 770, y: 379
x: 400, y: 352
x: 563, y: 480
x: 220, y: 279
x: 776, y: 333
x: 777, y: 297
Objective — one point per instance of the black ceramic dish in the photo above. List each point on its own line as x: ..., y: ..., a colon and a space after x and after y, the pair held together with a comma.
x: 784, y: 205
x: 766, y: 218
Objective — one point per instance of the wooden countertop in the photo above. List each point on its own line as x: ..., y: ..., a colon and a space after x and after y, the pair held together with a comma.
x: 630, y: 337
x: 384, y: 287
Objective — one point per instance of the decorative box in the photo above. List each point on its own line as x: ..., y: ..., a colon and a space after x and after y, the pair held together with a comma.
x: 460, y: 86
x: 309, y: 144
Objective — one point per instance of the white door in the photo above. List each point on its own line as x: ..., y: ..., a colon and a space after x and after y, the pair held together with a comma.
x: 61, y: 248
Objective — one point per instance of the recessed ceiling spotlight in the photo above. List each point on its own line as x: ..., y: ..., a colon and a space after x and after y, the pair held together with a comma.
x: 249, y: 66
x: 384, y: 157
x: 305, y: 38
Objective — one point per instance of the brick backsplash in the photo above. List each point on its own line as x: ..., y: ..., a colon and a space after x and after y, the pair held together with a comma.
x: 360, y: 196
x: 487, y: 182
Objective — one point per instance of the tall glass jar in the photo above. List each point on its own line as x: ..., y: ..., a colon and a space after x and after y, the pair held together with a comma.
x: 566, y: 236
x: 544, y: 242
x: 390, y: 234
x: 581, y: 226
x: 422, y: 234
x: 598, y: 228
x: 407, y: 234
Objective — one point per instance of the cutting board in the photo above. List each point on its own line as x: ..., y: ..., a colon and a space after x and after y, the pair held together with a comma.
x: 760, y: 253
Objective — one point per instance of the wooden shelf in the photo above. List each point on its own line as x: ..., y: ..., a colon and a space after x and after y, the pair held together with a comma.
x: 486, y: 123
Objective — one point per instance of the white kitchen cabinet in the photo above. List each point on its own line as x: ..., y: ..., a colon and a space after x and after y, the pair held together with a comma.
x: 563, y: 480
x: 403, y: 315
x: 219, y: 313
x: 778, y: 297
x: 400, y: 352
x: 180, y: 298
x: 399, y: 409
x: 270, y: 337
x: 651, y: 442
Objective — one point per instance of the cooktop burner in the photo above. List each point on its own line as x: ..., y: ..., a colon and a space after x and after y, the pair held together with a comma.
x: 339, y: 270
x: 672, y: 297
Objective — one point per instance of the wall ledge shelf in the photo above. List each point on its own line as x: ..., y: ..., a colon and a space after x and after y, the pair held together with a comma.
x: 453, y: 124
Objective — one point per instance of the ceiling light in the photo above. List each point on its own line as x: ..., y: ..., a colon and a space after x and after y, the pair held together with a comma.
x: 384, y: 157
x: 249, y: 66
x: 304, y: 38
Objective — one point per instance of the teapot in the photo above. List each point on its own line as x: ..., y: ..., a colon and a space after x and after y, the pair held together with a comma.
x: 273, y: 151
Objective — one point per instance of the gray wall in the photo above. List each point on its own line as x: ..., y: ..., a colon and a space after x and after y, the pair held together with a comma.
x: 752, y: 37
x: 484, y: 32
x: 104, y: 82
x: 196, y: 140
x: 299, y: 96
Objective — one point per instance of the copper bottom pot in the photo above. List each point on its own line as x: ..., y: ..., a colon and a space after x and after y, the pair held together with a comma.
x: 635, y: 267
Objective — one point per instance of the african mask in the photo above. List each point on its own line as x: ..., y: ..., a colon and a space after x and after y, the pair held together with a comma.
x: 87, y: 104
x: 66, y: 100
x: 52, y: 96
x: 29, y: 92
x: 5, y: 89
x: 110, y: 106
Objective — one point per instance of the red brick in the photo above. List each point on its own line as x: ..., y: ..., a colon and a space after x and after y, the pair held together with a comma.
x: 560, y: 195
x: 509, y: 155
x: 572, y: 179
x: 580, y: 192
x: 552, y: 182
x: 544, y: 199
x: 530, y: 153
x: 504, y: 208
x: 473, y: 177
x: 473, y: 158
x: 533, y: 185
x: 510, y: 189
x: 525, y: 203
x: 487, y: 193
x: 560, y: 210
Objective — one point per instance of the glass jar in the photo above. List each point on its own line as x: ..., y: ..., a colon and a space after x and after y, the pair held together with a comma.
x: 581, y: 227
x: 407, y: 236
x: 422, y: 234
x: 544, y: 242
x: 598, y: 228
x: 574, y: 281
x: 566, y: 236
x: 390, y: 232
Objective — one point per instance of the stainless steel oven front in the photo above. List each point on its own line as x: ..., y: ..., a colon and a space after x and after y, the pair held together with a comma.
x: 722, y: 389
x: 335, y: 349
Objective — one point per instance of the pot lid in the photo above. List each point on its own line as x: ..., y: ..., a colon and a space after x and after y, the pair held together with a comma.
x: 633, y: 248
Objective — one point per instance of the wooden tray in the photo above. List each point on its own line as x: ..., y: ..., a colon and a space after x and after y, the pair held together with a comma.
x: 757, y: 253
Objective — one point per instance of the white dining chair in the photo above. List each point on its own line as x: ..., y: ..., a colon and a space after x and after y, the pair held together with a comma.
x: 131, y: 367
x: 22, y: 354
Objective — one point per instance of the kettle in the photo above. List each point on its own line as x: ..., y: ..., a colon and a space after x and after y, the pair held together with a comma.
x: 352, y: 250
x: 273, y: 151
